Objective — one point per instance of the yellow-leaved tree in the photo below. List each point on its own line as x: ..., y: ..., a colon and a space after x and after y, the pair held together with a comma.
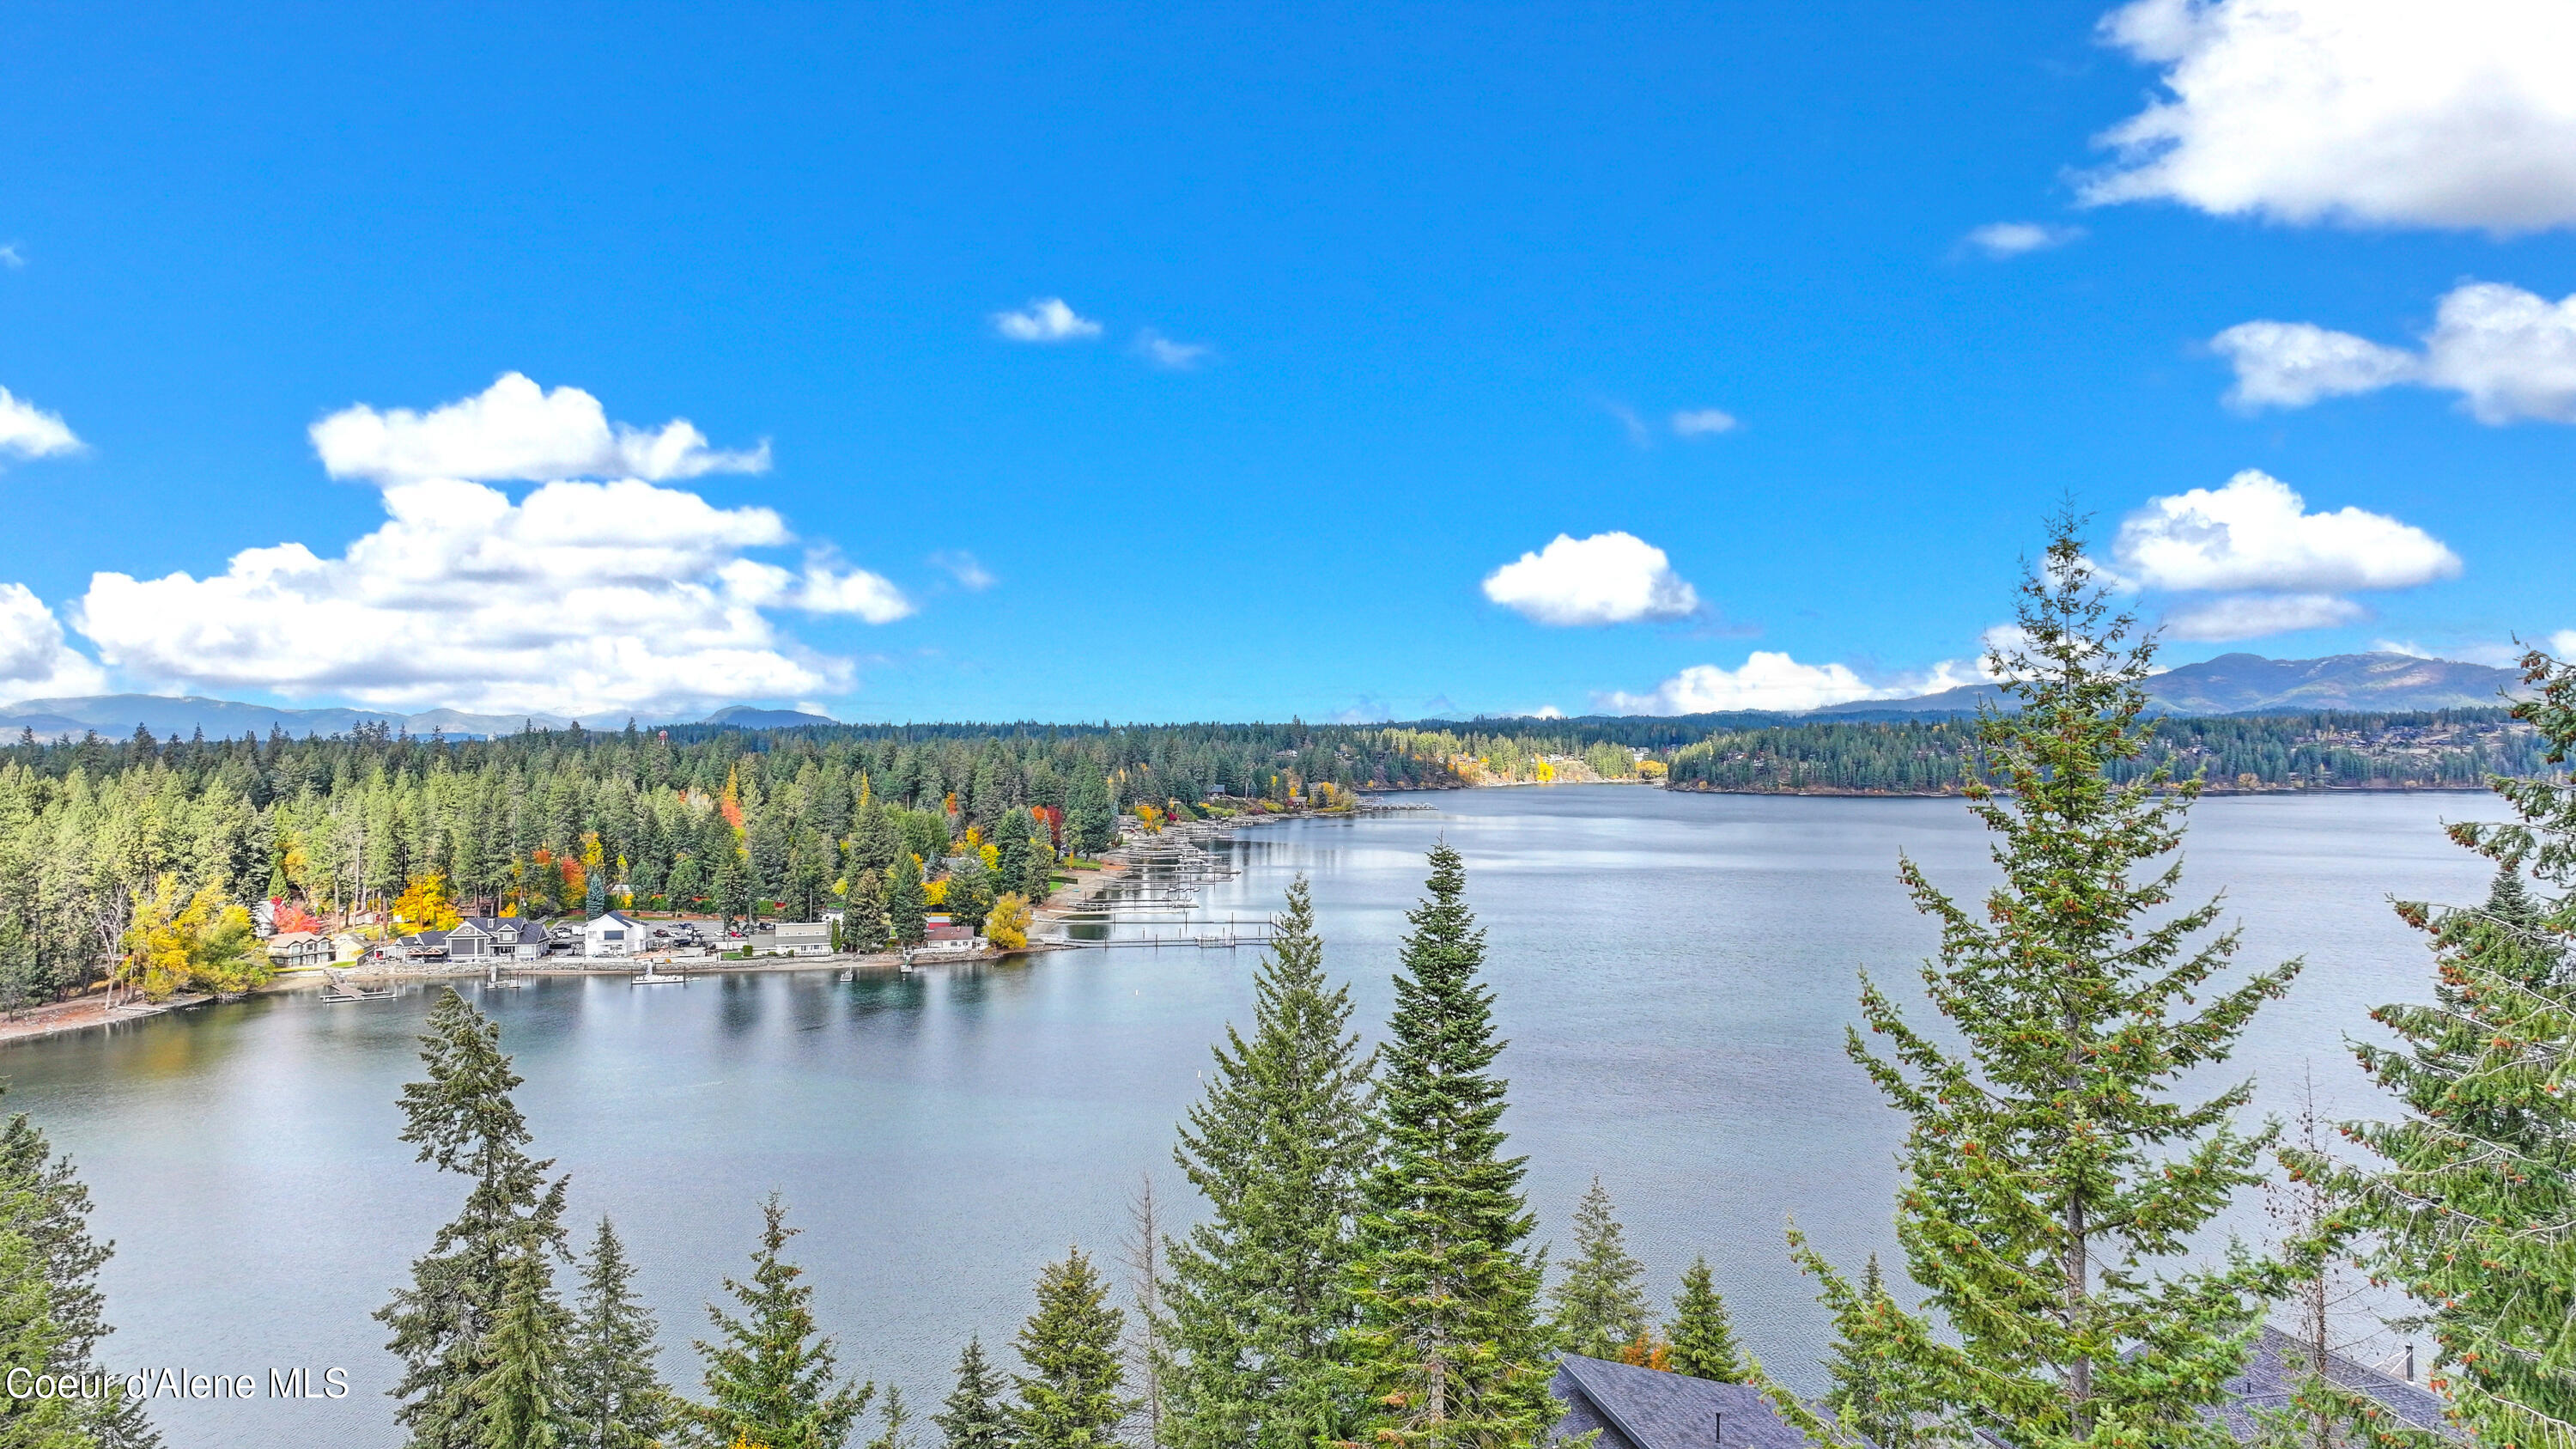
x: 425, y: 905
x: 1007, y: 924
x: 197, y: 943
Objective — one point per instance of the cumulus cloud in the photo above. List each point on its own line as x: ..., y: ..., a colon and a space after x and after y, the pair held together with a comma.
x: 27, y: 431
x: 581, y: 599
x: 1765, y: 681
x: 2368, y: 112
x: 2003, y: 240
x: 515, y: 429
x: 2255, y: 534
x: 35, y: 663
x: 1172, y: 356
x: 1609, y: 578
x: 1045, y: 319
x: 1702, y: 422
x: 2508, y: 353
x: 2254, y: 616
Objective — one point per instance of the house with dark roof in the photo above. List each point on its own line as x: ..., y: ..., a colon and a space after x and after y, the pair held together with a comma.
x: 1642, y: 1408
x: 505, y: 938
x: 2280, y: 1363
x: 1638, y: 1408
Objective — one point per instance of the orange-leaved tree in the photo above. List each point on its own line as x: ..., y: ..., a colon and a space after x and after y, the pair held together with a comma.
x: 425, y: 905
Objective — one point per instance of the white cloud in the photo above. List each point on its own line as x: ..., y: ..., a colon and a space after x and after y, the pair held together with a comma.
x: 1172, y: 356
x: 2563, y: 644
x: 962, y: 566
x: 2253, y: 616
x: 1544, y: 711
x: 2255, y: 534
x: 35, y: 663
x: 11, y: 257
x: 2292, y: 364
x: 2508, y: 353
x: 2369, y: 112
x: 1765, y: 681
x: 2005, y: 239
x: 1046, y: 319
x: 515, y: 430
x: 1609, y: 578
x: 30, y: 432
x: 583, y: 599
x: 2499, y: 654
x: 1702, y: 422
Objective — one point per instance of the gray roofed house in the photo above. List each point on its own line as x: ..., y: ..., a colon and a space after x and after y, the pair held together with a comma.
x: 1640, y: 1408
x: 2274, y: 1370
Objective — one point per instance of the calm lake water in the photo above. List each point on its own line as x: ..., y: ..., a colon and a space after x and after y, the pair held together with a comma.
x: 1674, y: 973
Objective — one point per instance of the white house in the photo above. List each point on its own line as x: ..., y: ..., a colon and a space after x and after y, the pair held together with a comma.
x: 615, y: 934
x: 787, y: 938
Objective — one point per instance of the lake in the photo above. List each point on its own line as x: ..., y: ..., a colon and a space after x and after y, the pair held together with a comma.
x: 1674, y: 973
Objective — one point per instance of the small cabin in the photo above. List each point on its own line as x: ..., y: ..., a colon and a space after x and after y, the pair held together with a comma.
x: 791, y: 938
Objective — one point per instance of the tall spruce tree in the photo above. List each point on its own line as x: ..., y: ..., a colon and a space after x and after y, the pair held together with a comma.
x: 519, y: 1396
x: 463, y: 1121
x: 1702, y: 1337
x: 1601, y: 1301
x: 907, y: 911
x: 771, y: 1378
x: 612, y: 1396
x: 864, y: 926
x: 1868, y: 1399
x: 974, y: 1416
x: 1259, y: 1292
x: 1071, y: 1396
x: 43, y: 1199
x: 2472, y: 1202
x: 1448, y: 1350
x: 1090, y: 815
x: 2054, y: 1177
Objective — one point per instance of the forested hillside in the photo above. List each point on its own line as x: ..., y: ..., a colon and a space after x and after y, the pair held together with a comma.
x: 2446, y: 749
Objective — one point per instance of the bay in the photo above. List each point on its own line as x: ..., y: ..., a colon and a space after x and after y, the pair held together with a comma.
x: 1675, y: 973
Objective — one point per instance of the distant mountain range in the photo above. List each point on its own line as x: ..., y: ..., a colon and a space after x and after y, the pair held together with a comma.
x: 2228, y: 684
x: 2252, y: 684
x: 114, y: 716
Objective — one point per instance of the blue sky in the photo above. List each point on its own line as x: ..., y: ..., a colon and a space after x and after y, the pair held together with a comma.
x: 1361, y: 305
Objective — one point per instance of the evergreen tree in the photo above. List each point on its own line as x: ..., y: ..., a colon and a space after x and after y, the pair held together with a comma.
x: 898, y: 1422
x: 612, y: 1397
x: 975, y: 1417
x: 1014, y: 857
x: 1867, y: 1401
x: 462, y: 1119
x: 907, y: 912
x: 970, y: 892
x: 31, y: 1340
x: 808, y: 880
x: 519, y: 1396
x: 874, y: 844
x: 863, y: 924
x: 732, y: 888
x: 1703, y: 1338
x: 1259, y: 1292
x: 43, y: 1200
x: 2052, y: 1172
x: 772, y: 1380
x: 2472, y: 1203
x: 1601, y: 1302
x: 1069, y: 1398
x: 1090, y: 816
x: 1448, y: 1349
x: 594, y: 895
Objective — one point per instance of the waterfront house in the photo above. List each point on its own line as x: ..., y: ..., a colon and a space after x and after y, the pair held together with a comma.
x: 615, y: 934
x: 1642, y: 1408
x: 2280, y: 1363
x: 299, y: 950
x: 790, y: 938
x: 496, y: 938
x: 347, y: 946
x: 953, y: 939
x: 1639, y: 1408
